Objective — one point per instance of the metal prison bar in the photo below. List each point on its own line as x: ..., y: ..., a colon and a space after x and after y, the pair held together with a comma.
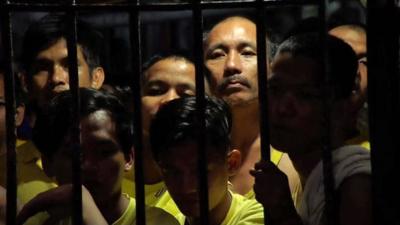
x: 377, y: 10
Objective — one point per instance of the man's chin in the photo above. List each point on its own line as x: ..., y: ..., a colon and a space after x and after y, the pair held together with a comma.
x: 239, y: 100
x: 192, y: 212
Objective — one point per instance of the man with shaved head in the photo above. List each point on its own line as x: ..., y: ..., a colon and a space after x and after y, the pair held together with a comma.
x: 230, y: 56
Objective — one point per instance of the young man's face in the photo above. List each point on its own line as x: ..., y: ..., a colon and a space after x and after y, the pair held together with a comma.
x: 103, y: 161
x: 166, y: 80
x: 295, y: 104
x: 50, y: 74
x: 231, y: 59
x: 180, y: 173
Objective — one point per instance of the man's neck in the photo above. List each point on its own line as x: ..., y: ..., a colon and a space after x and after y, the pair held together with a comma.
x: 245, y: 126
x: 152, y: 173
x: 113, y: 208
x: 245, y: 138
x: 305, y: 163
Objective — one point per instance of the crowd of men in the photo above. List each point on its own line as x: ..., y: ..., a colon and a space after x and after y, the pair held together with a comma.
x: 309, y: 99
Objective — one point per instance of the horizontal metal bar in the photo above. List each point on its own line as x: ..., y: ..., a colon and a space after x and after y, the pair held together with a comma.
x: 148, y: 7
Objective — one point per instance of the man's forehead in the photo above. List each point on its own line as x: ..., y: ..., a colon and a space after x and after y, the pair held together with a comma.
x: 236, y: 28
x: 173, y: 72
x: 297, y: 70
x: 59, y: 46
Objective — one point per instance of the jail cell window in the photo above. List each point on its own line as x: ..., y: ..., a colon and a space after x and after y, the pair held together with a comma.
x: 175, y: 30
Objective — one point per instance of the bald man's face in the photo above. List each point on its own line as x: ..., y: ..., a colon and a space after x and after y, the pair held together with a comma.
x: 231, y: 59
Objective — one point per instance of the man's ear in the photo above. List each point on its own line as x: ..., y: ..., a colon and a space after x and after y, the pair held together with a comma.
x: 128, y: 160
x: 19, y: 115
x: 98, y: 77
x: 234, y: 159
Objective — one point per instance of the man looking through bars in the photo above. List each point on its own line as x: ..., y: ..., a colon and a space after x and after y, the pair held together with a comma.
x: 355, y: 36
x: 230, y: 56
x: 174, y: 137
x: 166, y: 76
x: 44, y: 59
x: 297, y: 122
x: 107, y: 151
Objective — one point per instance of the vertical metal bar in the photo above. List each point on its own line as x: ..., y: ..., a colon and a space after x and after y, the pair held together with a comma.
x: 9, y: 84
x: 262, y: 81
x: 384, y: 107
x: 74, y: 85
x: 262, y: 89
x: 200, y: 104
x: 137, y: 115
x: 331, y: 208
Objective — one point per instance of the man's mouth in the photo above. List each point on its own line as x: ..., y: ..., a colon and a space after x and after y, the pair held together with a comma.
x: 58, y: 89
x: 233, y: 83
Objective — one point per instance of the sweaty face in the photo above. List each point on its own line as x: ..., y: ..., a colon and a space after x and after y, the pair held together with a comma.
x: 231, y: 59
x: 49, y: 72
x: 295, y: 104
x: 166, y: 80
x: 103, y: 161
x: 180, y: 173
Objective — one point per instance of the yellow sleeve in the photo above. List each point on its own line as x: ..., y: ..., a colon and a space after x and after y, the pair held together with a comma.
x: 244, y: 211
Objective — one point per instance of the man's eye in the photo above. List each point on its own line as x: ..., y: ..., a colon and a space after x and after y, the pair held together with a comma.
x: 154, y: 91
x: 274, y: 90
x: 216, y: 55
x: 187, y: 93
x: 308, y: 95
x: 40, y: 67
x: 249, y: 53
x: 106, y: 152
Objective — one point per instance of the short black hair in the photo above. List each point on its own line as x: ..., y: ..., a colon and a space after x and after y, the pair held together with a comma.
x: 51, y: 128
x: 51, y: 28
x: 341, y: 60
x: 177, y: 122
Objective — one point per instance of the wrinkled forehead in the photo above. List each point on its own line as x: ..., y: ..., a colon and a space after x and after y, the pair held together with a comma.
x: 232, y: 30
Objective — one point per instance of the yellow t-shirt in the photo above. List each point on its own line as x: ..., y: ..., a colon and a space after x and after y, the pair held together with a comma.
x: 242, y: 211
x: 155, y: 194
x: 31, y: 179
x: 361, y: 140
x: 129, y: 216
x: 154, y: 216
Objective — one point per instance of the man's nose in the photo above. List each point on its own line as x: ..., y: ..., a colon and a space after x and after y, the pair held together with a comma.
x: 169, y: 96
x: 189, y: 183
x: 233, y: 64
x: 285, y: 104
x: 59, y: 74
x: 89, y: 165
